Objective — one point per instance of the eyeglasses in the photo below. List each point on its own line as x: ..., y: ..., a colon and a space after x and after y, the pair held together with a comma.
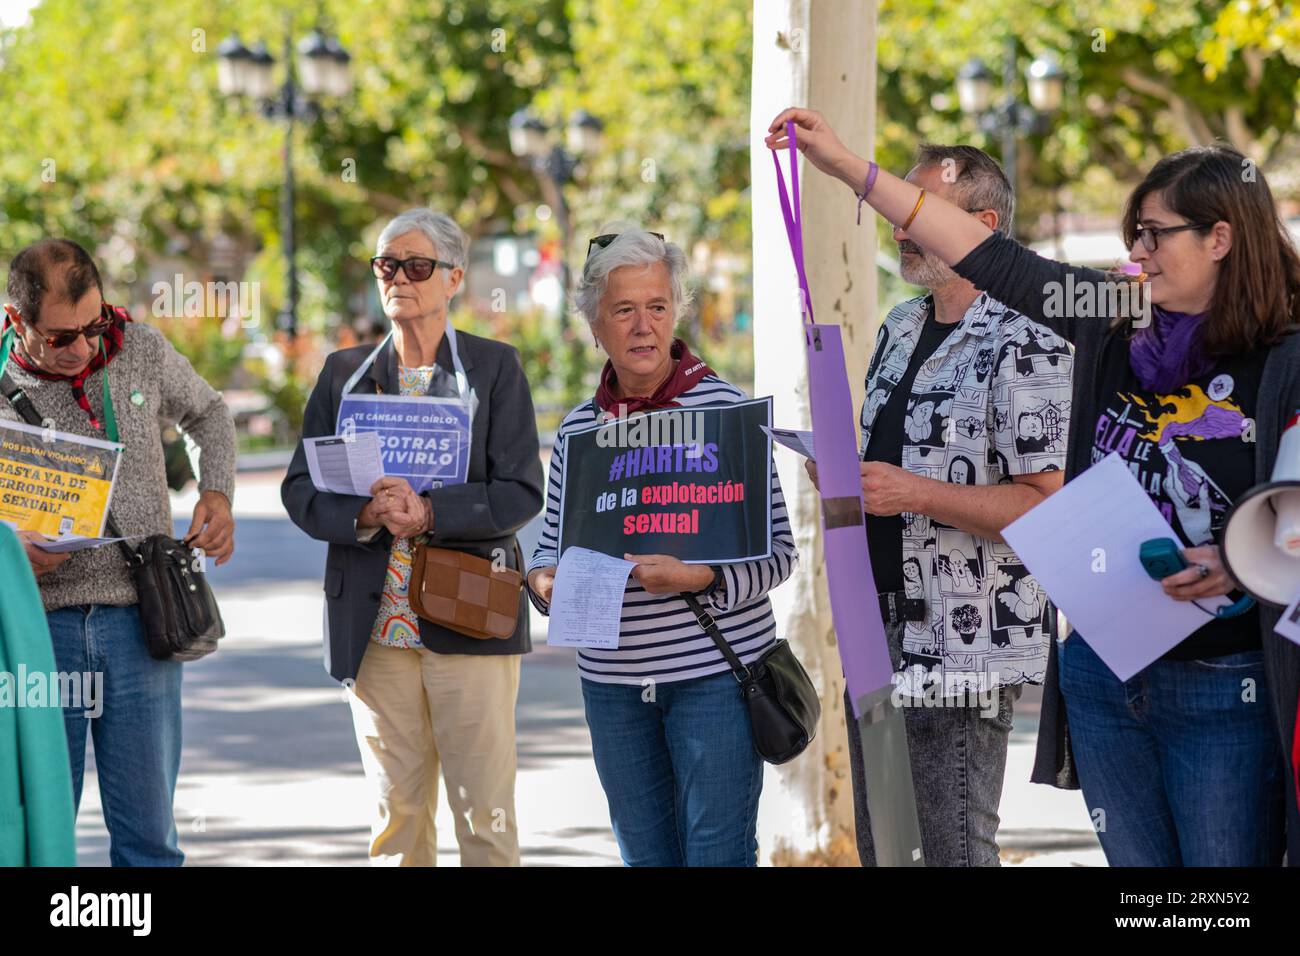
x: 1150, y: 235
x: 66, y: 337
x: 600, y: 242
x: 417, y: 268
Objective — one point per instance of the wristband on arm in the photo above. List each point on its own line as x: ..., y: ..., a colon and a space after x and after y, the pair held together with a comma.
x: 872, y: 171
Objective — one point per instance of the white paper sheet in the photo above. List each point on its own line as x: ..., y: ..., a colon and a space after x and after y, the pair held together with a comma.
x: 72, y: 543
x: 344, y: 465
x: 1081, y: 545
x: 587, y: 599
x: 1288, y: 625
x: 794, y: 439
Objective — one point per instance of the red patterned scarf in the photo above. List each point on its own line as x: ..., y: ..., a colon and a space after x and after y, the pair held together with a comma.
x: 110, y: 345
x: 686, y: 375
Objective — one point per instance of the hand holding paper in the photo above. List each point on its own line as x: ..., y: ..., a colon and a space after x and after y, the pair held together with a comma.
x: 1082, y: 544
x: 587, y: 599
x: 344, y: 465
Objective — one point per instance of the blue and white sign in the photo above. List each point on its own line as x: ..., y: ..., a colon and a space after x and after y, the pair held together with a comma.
x: 423, y: 439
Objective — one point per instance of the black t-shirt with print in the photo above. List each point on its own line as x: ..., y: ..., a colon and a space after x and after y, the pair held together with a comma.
x: 885, y: 533
x: 1194, y: 455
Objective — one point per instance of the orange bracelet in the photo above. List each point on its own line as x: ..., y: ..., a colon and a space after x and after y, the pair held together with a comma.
x: 915, y: 209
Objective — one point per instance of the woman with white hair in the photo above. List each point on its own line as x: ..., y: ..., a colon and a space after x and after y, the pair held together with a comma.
x: 426, y: 697
x: 670, y: 734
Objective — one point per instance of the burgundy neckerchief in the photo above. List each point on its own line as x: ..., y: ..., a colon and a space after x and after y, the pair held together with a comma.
x: 687, y: 373
x: 112, y: 344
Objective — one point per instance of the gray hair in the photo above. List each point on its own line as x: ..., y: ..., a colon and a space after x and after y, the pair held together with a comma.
x: 449, y: 242
x: 979, y: 183
x: 633, y: 247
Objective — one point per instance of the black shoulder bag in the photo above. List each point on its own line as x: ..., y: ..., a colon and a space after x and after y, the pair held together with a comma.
x: 782, y: 702
x: 178, y: 612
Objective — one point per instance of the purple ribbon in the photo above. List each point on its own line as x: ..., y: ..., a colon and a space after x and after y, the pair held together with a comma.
x: 793, y: 218
x: 855, y: 609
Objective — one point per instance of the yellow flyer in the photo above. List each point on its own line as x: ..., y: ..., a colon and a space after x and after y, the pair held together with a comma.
x: 55, y: 483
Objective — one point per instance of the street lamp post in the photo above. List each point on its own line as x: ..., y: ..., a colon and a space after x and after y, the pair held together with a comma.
x: 1010, y: 118
x: 245, y: 73
x: 555, y: 166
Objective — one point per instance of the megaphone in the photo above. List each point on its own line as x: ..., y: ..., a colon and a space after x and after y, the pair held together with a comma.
x: 1261, y: 539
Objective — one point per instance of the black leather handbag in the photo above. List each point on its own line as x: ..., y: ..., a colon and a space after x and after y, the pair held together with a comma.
x: 178, y: 611
x: 782, y: 702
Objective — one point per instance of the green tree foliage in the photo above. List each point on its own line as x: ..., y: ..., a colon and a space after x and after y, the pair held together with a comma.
x: 117, y: 133
x: 1143, y: 79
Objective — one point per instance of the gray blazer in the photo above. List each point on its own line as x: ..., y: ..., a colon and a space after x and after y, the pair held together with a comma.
x: 502, y: 493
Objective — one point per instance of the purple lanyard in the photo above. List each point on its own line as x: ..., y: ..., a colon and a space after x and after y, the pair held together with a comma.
x: 793, y: 218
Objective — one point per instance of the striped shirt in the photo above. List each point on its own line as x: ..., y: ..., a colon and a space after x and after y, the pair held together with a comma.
x: 659, y: 639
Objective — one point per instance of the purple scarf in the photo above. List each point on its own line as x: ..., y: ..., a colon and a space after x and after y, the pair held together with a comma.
x: 1167, y: 354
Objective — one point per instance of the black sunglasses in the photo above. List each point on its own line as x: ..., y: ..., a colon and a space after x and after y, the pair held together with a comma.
x: 417, y: 268
x: 62, y: 339
x: 600, y: 242
x: 1150, y: 235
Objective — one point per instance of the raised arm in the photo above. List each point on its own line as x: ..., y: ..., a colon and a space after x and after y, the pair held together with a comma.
x: 992, y: 262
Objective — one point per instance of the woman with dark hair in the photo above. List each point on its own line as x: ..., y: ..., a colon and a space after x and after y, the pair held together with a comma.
x: 1184, y: 764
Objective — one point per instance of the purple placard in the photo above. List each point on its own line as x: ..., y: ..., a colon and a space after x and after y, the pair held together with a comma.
x: 855, y: 609
x: 859, y: 630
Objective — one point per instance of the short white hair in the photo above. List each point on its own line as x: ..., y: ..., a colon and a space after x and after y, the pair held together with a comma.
x: 449, y: 242
x: 633, y: 247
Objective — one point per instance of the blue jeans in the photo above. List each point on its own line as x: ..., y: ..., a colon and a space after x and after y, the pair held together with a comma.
x: 1180, y: 764
x: 679, y: 769
x: 137, y: 735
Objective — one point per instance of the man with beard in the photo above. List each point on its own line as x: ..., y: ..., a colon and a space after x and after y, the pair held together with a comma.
x: 946, y: 357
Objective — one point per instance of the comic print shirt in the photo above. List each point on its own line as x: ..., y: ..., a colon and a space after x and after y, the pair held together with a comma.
x: 1193, y: 453
x: 993, y: 401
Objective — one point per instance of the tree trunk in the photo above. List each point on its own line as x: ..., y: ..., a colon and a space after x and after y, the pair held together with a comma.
x: 821, y: 55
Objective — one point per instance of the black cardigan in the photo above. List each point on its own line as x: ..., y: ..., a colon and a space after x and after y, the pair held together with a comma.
x: 1020, y: 278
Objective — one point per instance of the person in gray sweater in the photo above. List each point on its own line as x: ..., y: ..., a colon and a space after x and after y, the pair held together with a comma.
x: 1183, y: 764
x: 90, y: 600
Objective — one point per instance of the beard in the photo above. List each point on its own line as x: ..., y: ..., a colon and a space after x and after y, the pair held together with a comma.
x: 928, y: 271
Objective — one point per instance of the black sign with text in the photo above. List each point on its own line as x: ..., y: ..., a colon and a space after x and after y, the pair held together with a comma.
x: 694, y: 483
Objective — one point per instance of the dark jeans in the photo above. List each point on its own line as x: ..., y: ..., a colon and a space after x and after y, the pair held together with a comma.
x: 958, y: 758
x: 679, y: 770
x: 1180, y: 764
x: 137, y: 736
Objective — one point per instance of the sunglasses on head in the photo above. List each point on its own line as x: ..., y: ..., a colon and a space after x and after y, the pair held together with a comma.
x: 417, y: 268
x: 66, y: 337
x: 600, y: 242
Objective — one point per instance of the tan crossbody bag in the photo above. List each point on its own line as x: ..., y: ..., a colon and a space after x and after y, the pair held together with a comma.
x: 464, y: 593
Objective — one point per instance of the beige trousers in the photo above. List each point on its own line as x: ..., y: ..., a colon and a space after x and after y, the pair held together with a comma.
x: 416, y: 712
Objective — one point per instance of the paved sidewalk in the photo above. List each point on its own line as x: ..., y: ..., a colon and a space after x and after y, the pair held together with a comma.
x: 270, y: 773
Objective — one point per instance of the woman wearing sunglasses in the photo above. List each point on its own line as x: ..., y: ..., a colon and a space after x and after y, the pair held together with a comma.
x: 1181, y: 765
x: 426, y: 699
x: 91, y: 371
